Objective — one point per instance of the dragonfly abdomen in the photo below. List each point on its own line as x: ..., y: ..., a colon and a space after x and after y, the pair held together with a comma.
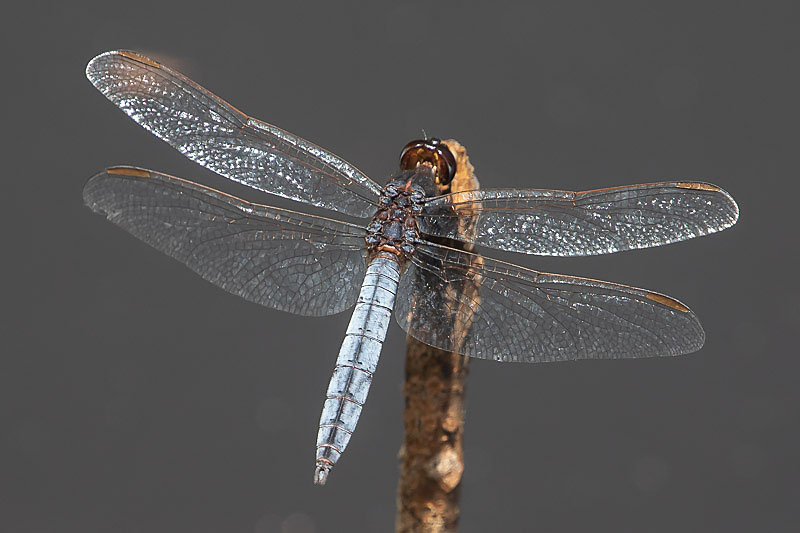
x: 356, y: 363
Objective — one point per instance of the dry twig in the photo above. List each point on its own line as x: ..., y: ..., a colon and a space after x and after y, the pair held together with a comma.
x: 432, y: 457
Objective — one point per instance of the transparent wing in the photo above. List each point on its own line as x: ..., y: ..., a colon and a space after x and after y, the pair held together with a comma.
x: 290, y: 261
x: 213, y: 133
x: 544, y: 222
x: 461, y: 302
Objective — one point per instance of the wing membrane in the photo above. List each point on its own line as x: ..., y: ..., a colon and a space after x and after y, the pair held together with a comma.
x: 218, y: 136
x: 282, y: 259
x: 565, y: 223
x: 509, y: 313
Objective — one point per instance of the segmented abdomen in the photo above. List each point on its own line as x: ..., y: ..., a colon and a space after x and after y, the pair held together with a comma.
x: 358, y: 358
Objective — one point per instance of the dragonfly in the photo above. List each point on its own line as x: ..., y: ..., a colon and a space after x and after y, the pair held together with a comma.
x: 412, y: 251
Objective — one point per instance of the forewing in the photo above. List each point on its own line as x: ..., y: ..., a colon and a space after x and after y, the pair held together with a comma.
x: 213, y: 133
x: 282, y: 259
x: 565, y: 223
x: 509, y: 313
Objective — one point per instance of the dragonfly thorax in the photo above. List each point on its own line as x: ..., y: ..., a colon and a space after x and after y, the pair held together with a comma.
x: 393, y: 228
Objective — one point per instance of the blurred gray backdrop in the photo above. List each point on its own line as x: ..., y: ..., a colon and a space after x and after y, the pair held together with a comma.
x: 135, y: 397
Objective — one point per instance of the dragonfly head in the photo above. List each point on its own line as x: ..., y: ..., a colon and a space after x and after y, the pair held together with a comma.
x: 432, y: 152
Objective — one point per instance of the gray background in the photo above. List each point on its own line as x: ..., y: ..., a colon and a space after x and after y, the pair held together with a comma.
x: 136, y: 397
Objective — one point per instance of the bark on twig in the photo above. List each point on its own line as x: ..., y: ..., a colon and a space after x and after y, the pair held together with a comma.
x: 431, y: 457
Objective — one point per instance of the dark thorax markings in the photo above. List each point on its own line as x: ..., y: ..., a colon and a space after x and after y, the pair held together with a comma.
x: 393, y: 230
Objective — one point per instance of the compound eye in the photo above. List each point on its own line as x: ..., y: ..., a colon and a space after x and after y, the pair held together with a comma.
x: 447, y: 162
x: 431, y: 151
